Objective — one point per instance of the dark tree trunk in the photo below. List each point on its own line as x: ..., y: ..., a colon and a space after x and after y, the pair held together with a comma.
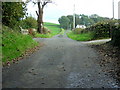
x: 40, y: 15
x: 40, y: 18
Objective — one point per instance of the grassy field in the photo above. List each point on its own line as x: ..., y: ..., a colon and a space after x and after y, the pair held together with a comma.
x: 80, y: 37
x: 54, y: 28
x: 15, y: 44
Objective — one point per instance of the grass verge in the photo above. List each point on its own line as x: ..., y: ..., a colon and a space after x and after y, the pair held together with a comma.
x: 15, y: 44
x: 62, y: 32
x: 43, y: 35
x: 80, y: 37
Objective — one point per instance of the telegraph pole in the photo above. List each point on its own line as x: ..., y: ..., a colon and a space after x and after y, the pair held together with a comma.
x: 74, y: 15
x: 119, y: 10
x: 113, y: 10
x: 111, y: 23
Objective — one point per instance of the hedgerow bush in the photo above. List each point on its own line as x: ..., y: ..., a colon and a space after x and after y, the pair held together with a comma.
x: 78, y: 30
x: 116, y: 36
x: 28, y: 23
x: 110, y: 29
x: 100, y: 30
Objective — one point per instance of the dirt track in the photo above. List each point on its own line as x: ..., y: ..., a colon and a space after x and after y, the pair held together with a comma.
x: 60, y: 63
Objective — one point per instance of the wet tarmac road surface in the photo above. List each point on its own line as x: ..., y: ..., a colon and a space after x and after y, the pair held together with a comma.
x: 60, y: 63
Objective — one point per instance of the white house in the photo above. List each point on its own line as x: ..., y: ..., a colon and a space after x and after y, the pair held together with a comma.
x: 81, y: 26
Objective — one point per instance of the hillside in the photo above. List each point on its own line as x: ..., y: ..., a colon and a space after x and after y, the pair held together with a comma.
x: 54, y: 28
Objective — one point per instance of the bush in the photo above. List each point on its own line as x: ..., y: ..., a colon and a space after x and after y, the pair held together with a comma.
x: 116, y: 36
x: 32, y: 32
x: 29, y: 22
x: 110, y: 29
x: 78, y: 31
x: 101, y: 30
x: 12, y: 13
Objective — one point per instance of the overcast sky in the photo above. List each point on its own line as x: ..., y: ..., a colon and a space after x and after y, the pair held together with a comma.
x: 65, y: 7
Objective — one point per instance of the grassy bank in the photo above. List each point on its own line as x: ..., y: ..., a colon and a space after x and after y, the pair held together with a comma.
x: 15, y: 44
x: 80, y: 37
x: 54, y: 28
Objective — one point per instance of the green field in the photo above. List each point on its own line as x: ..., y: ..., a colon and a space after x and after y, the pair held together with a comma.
x: 80, y: 37
x: 15, y: 44
x: 54, y: 28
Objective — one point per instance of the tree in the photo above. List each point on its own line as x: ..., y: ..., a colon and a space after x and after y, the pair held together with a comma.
x: 77, y: 20
x: 71, y: 21
x: 41, y: 4
x: 82, y: 20
x: 12, y: 12
x: 96, y: 18
x: 64, y: 22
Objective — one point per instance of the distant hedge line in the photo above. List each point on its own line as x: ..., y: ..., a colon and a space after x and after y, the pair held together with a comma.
x: 110, y: 29
x: 101, y: 30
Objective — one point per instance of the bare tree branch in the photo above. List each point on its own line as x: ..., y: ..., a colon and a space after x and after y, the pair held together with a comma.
x: 37, y: 13
x: 45, y: 3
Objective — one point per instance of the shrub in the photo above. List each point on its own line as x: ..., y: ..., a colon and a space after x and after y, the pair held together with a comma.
x: 12, y: 13
x: 116, y: 36
x: 78, y: 31
x: 110, y: 29
x: 29, y: 22
x: 32, y: 32
x: 101, y: 29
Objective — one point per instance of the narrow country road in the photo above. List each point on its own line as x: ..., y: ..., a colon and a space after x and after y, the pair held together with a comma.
x: 60, y: 63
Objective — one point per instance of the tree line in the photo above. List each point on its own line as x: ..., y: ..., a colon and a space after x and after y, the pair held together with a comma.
x: 66, y: 22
